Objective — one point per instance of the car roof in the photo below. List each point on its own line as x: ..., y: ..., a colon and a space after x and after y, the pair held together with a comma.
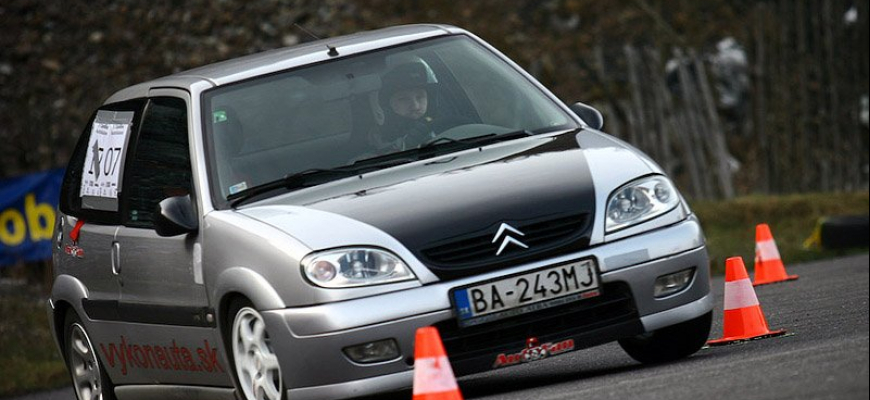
x: 233, y: 70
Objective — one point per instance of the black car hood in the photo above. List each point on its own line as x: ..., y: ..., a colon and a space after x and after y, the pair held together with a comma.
x: 448, y: 210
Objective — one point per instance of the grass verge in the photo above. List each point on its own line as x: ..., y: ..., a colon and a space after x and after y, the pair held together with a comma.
x: 730, y: 225
x: 29, y: 360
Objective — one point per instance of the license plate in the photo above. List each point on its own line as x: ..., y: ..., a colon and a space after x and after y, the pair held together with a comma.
x: 525, y: 293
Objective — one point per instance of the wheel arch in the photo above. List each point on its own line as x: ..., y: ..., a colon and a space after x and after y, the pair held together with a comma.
x: 66, y: 291
x: 240, y: 283
x: 61, y: 308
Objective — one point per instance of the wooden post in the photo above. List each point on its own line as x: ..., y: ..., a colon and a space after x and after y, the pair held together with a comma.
x: 616, y: 115
x: 682, y: 128
x: 663, y: 109
x: 638, y: 126
x: 717, y: 137
x: 694, y: 120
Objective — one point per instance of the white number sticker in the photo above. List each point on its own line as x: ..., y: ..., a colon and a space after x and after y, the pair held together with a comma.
x: 103, y: 161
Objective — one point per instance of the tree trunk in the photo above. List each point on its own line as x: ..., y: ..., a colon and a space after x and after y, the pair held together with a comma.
x: 804, y: 152
x: 759, y: 91
x: 834, y: 98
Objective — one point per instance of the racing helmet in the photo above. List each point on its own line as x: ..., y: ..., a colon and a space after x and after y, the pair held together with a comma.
x: 403, y: 72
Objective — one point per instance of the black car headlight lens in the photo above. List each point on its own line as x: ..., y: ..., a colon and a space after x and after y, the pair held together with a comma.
x: 353, y: 267
x: 639, y: 201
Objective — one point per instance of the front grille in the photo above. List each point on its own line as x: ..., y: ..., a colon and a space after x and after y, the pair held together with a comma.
x: 478, y: 250
x: 589, y: 322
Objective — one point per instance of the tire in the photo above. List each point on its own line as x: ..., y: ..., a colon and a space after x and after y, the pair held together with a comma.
x: 89, y: 378
x: 255, y: 366
x: 845, y: 231
x: 670, y: 343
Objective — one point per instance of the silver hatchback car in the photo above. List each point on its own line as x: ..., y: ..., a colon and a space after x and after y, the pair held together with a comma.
x: 279, y: 225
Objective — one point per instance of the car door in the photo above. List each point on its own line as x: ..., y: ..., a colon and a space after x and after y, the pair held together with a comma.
x: 161, y: 285
x: 90, y: 214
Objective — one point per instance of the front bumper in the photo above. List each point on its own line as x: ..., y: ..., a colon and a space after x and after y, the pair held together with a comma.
x: 310, y: 339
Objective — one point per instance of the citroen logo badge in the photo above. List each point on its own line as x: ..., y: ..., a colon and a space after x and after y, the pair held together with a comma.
x: 504, y: 233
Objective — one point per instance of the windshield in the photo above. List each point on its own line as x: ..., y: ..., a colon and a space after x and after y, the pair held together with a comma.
x: 335, y: 114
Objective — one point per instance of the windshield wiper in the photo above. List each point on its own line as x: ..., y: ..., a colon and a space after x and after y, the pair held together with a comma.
x: 289, y: 181
x: 385, y: 160
x: 313, y: 177
x: 434, y: 147
x: 316, y: 176
x: 478, y: 140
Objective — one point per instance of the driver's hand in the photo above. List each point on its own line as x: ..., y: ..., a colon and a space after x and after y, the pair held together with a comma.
x: 418, y: 135
x: 381, y: 146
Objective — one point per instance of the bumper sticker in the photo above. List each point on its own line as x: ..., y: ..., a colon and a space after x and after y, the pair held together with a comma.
x: 73, y: 249
x: 534, y: 351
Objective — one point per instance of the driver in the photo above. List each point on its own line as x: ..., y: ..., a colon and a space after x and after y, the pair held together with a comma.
x: 405, y: 97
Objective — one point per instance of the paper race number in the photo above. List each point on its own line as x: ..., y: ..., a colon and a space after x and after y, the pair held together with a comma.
x: 103, y: 162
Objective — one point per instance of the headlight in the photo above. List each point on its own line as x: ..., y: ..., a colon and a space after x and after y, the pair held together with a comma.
x: 640, y: 201
x: 351, y: 267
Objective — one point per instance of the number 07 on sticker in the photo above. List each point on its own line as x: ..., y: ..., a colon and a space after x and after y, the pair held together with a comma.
x: 103, y: 161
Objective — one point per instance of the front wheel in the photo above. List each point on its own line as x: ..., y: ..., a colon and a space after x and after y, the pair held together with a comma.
x: 90, y: 381
x: 670, y: 343
x: 255, y: 363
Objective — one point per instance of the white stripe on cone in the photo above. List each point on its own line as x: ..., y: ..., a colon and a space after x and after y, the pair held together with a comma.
x: 766, y: 250
x: 433, y: 375
x: 739, y: 294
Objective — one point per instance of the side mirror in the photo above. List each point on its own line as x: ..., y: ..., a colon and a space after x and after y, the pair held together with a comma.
x: 175, y: 216
x: 589, y: 115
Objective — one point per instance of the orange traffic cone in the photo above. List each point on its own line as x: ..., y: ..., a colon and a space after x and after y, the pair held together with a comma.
x: 768, y: 265
x: 743, y: 317
x: 433, y: 376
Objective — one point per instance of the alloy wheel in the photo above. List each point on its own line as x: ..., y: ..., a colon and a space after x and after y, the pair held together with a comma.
x: 256, y: 363
x: 84, y: 366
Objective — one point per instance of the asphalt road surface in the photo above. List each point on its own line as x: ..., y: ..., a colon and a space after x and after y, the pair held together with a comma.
x: 824, y: 355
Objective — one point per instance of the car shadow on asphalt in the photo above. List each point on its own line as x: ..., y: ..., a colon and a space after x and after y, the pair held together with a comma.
x: 529, y: 377
x: 489, y: 384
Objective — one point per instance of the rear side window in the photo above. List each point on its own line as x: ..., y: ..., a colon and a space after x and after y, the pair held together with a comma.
x: 159, y: 165
x: 93, y: 180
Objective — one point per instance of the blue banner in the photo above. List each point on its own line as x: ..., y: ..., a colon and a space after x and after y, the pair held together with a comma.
x: 27, y: 216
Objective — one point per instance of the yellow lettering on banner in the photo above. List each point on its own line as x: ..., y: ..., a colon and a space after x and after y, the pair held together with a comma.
x: 40, y: 218
x: 15, y: 236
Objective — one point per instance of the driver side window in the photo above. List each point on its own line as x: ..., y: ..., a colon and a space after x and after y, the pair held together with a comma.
x: 160, y: 162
